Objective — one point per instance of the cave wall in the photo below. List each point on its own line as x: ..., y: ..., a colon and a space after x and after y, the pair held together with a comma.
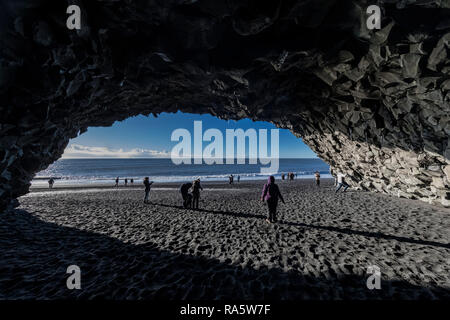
x: 374, y: 104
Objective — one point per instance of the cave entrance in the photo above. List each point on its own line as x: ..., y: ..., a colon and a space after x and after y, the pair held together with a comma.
x: 157, y: 146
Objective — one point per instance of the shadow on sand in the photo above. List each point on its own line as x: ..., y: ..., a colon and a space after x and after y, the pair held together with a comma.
x: 377, y: 235
x: 34, y: 256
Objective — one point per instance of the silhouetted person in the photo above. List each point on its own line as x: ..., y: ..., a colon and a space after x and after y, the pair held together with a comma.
x: 131, y: 181
x: 341, y: 182
x: 231, y: 178
x: 271, y: 193
x: 282, y: 176
x: 126, y: 182
x: 51, y: 181
x: 187, y: 197
x: 239, y: 179
x: 147, y: 185
x: 117, y: 182
x: 317, y: 175
x: 196, y: 193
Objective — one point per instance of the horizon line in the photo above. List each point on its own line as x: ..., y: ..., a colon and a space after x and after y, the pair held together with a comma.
x: 104, y: 158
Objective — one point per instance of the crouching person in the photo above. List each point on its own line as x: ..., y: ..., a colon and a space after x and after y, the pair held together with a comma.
x: 187, y: 197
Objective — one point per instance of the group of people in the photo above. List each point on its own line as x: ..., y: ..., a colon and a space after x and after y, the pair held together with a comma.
x: 191, y: 200
x: 190, y: 192
x: 289, y: 176
x: 231, y: 179
x: 125, y: 180
x: 339, y: 181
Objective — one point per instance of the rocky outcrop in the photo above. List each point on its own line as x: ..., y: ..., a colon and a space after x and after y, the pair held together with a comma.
x: 372, y: 103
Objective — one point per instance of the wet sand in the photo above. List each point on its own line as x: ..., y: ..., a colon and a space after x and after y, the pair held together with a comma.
x: 320, y: 248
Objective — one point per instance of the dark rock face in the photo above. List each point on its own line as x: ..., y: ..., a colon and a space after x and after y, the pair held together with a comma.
x: 374, y: 104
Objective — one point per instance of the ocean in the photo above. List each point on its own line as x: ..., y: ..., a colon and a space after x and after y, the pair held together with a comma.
x: 101, y: 171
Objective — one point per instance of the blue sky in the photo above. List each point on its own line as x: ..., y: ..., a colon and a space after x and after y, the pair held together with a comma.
x: 143, y: 136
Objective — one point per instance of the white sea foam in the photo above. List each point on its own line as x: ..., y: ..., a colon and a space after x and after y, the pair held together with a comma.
x: 96, y: 190
x: 92, y: 180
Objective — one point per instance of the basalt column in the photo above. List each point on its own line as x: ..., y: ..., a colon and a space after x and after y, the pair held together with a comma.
x: 374, y: 104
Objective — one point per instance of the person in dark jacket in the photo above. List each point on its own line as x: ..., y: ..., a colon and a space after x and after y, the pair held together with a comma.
x: 317, y: 176
x: 196, y: 193
x: 147, y: 185
x: 117, y: 182
x: 187, y: 197
x: 51, y: 181
x: 271, y: 193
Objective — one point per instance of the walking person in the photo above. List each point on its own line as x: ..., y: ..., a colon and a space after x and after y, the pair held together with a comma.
x: 147, y: 185
x: 51, y: 181
x: 187, y: 197
x: 117, y: 182
x: 317, y: 175
x: 131, y: 181
x: 271, y: 193
x: 239, y: 178
x: 341, y: 182
x: 196, y: 193
x: 126, y: 182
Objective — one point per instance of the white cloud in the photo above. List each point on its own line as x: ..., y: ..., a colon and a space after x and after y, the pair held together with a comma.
x: 80, y: 151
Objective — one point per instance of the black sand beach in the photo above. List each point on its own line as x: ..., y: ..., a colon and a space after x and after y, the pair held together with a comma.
x: 320, y: 248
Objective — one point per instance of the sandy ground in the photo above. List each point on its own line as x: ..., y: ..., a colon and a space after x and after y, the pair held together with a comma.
x: 320, y: 248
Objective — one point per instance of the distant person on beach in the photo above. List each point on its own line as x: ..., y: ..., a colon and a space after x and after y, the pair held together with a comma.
x: 117, y: 182
x: 131, y: 181
x: 282, y: 176
x: 196, y: 193
x: 341, y: 182
x: 271, y: 193
x: 231, y: 178
x: 239, y: 178
x: 51, y: 181
x: 126, y: 182
x: 147, y: 185
x: 317, y: 175
x: 187, y: 197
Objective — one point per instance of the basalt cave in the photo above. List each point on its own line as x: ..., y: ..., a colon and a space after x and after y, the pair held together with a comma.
x: 374, y: 104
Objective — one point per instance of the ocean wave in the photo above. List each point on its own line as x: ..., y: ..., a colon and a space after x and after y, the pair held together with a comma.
x: 95, y: 180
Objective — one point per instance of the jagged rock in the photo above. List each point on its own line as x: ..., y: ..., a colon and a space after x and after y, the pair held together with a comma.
x: 372, y: 103
x: 439, y: 53
x: 410, y: 64
x: 446, y: 170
